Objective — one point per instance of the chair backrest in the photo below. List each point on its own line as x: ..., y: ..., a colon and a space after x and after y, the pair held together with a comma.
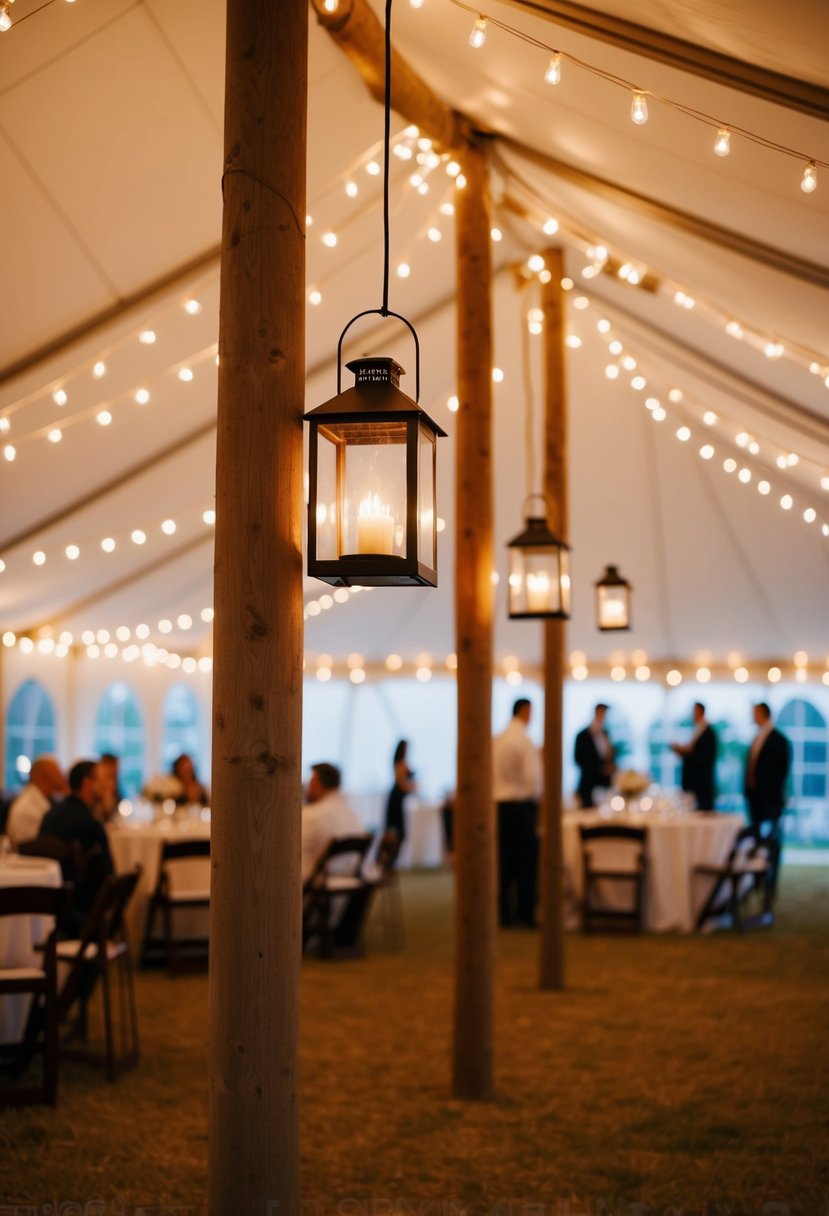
x: 33, y: 901
x: 69, y: 853
x: 338, y: 847
x: 751, y: 843
x: 103, y: 923
x: 176, y: 850
x: 388, y: 851
x: 614, y: 831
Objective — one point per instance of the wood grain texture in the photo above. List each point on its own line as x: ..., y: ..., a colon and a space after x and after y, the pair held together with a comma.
x: 255, y: 914
x: 474, y: 809
x: 551, y: 875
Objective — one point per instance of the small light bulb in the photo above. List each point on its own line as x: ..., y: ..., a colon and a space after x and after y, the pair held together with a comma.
x: 147, y: 337
x: 453, y: 405
x: 535, y: 262
x: 434, y: 235
x: 764, y: 487
x: 329, y: 239
x: 138, y: 537
x: 496, y: 234
x: 658, y: 415
x: 351, y: 189
x: 684, y: 434
x: 744, y: 476
x: 550, y: 227
x: 59, y: 396
x: 810, y: 515
x: 478, y: 36
x: 99, y: 370
x: 373, y: 169
x: 193, y: 307
x: 55, y: 435
x: 553, y: 73
x: 706, y: 451
x: 168, y: 527
x: 611, y: 371
x: 72, y: 552
x: 185, y: 374
x: 722, y: 144
x: 209, y: 517
x: 809, y: 180
x: 786, y: 502
x: 314, y: 296
x: 331, y: 6
x: 404, y: 270
x: 104, y: 418
x: 709, y: 418
x: 5, y: 17
x: 734, y: 329
x: 142, y: 396
x: 108, y: 544
x: 39, y: 557
x: 639, y: 109
x: 497, y: 375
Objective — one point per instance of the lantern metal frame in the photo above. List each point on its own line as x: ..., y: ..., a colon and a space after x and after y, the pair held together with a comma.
x: 376, y: 402
x: 612, y: 578
x: 537, y: 535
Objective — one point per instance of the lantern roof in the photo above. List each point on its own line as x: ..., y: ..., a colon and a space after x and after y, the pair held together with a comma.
x: 375, y: 391
x: 612, y: 578
x: 537, y: 534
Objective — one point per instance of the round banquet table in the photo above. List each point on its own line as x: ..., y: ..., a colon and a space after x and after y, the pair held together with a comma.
x: 140, y: 843
x: 20, y: 934
x: 676, y: 844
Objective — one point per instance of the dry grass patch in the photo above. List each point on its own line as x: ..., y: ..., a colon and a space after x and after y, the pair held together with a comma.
x: 673, y: 1071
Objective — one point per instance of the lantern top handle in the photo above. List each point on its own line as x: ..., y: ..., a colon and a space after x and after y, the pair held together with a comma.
x: 537, y: 497
x: 380, y: 312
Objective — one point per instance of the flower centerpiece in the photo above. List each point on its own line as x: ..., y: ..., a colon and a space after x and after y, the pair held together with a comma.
x: 631, y: 783
x: 164, y: 788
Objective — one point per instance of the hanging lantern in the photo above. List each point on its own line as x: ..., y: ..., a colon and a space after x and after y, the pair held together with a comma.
x: 613, y: 598
x: 539, y: 573
x: 372, y: 511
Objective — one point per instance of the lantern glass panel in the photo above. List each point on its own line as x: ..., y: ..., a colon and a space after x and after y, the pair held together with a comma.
x: 613, y: 607
x: 427, y: 522
x: 361, y: 489
x: 539, y: 581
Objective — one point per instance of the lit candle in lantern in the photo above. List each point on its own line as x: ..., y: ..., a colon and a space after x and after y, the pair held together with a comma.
x: 375, y: 526
x: 538, y: 592
x: 613, y: 611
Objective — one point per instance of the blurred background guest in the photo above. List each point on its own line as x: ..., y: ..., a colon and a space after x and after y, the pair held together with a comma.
x: 767, y: 767
x: 46, y: 783
x: 699, y: 756
x: 192, y: 789
x: 74, y: 819
x: 109, y: 787
x: 404, y: 784
x: 326, y: 815
x: 595, y: 756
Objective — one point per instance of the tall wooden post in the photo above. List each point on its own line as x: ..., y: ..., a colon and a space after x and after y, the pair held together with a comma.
x: 551, y: 960
x: 474, y: 808
x: 255, y: 913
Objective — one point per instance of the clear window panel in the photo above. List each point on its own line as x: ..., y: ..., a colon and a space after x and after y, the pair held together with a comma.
x: 427, y: 524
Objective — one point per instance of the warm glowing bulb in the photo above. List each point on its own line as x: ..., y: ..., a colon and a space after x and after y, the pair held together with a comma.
x: 329, y: 239
x: 709, y: 418
x: 553, y: 73
x: 5, y: 18
x: 496, y: 234
x: 453, y: 405
x: 734, y: 329
x: 434, y: 235
x: 764, y: 487
x: 611, y: 371
x: 142, y: 396
x: 744, y: 476
x: 193, y: 307
x: 55, y: 435
x: 809, y: 180
x: 39, y: 557
x: 729, y: 464
x: 373, y: 169
x: 168, y: 527
x: 498, y: 375
x: 478, y: 36
x: 185, y: 374
x: 104, y: 418
x: 314, y: 296
x: 706, y: 451
x: 550, y: 227
x: 535, y: 262
x: 684, y: 434
x: 659, y: 415
x: 786, y: 502
x: 108, y: 544
x: 99, y: 370
x: 209, y: 516
x: 638, y: 109
x: 59, y: 396
x: 147, y: 337
x: 138, y: 537
x: 404, y: 270
x: 722, y: 144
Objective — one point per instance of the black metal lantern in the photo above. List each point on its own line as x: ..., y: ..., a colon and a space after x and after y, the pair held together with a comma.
x: 539, y: 573
x: 372, y: 510
x: 613, y: 599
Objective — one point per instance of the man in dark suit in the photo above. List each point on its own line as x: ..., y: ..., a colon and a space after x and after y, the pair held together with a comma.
x: 767, y: 767
x: 74, y: 819
x: 698, y: 759
x: 595, y: 757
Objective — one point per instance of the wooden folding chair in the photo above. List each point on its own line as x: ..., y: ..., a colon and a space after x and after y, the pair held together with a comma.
x: 39, y: 982
x: 101, y: 946
x: 746, y: 879
x: 167, y: 900
x: 595, y: 912
x: 335, y: 905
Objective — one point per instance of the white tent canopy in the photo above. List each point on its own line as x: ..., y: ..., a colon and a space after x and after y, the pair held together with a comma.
x: 111, y: 154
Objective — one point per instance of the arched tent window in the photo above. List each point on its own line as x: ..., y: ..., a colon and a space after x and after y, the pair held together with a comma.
x: 30, y: 731
x: 805, y: 727
x: 119, y: 728
x: 618, y: 728
x: 180, y: 726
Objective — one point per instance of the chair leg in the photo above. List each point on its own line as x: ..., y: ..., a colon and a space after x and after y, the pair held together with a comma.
x: 50, y: 1049
x: 108, y: 1029
x: 171, y: 941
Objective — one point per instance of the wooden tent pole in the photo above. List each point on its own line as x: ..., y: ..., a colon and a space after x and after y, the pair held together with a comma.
x: 474, y: 808
x: 255, y: 913
x: 551, y: 958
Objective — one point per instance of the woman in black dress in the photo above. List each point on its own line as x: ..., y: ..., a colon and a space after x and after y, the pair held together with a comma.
x: 403, y: 784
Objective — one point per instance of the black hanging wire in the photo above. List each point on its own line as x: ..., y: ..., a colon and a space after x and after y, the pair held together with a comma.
x: 384, y: 310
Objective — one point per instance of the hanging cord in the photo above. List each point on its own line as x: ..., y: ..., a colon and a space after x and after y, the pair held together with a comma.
x: 386, y: 149
x: 529, y: 412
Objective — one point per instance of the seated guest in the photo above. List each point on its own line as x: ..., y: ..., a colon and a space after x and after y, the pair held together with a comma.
x: 325, y: 816
x: 46, y: 781
x: 74, y: 819
x: 192, y: 789
x: 109, y: 787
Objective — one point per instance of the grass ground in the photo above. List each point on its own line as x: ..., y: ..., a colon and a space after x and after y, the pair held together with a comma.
x: 682, y: 1074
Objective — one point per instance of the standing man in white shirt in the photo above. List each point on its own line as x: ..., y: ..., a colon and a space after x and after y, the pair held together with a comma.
x: 516, y: 788
x: 46, y: 781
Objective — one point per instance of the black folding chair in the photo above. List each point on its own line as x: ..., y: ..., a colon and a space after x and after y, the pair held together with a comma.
x: 40, y: 983
x: 167, y: 900
x: 597, y: 913
x: 386, y: 881
x: 102, y: 946
x: 744, y: 886
x: 335, y: 905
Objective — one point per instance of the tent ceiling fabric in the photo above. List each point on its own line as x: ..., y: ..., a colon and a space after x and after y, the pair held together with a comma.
x: 110, y: 154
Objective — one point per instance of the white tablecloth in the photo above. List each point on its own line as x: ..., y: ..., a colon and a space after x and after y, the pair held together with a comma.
x: 20, y: 934
x: 673, y: 893
x: 141, y: 843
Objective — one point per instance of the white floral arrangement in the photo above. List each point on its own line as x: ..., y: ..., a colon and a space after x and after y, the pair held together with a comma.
x: 630, y: 782
x: 163, y: 787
